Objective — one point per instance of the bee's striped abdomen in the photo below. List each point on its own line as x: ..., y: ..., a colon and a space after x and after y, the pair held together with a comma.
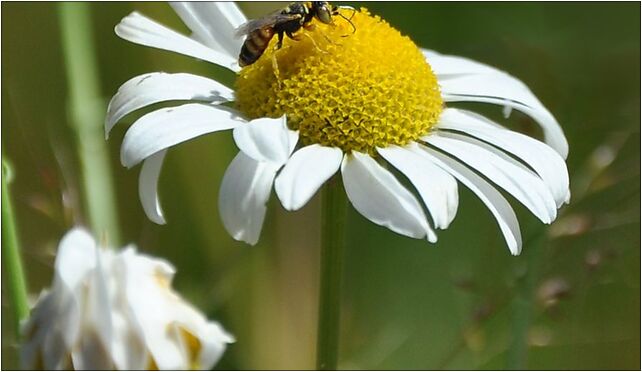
x: 255, y: 45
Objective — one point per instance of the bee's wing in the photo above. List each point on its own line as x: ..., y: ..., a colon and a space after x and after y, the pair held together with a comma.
x: 267, y: 21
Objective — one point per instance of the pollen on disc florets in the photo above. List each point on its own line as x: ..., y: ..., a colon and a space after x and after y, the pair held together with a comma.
x: 356, y: 91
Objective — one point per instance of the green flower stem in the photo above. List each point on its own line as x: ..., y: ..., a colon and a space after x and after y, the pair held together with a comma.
x: 332, y: 243
x: 522, y: 306
x: 11, y: 255
x: 87, y: 113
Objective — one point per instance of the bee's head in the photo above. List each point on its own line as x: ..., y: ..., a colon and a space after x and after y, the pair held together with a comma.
x: 323, y: 11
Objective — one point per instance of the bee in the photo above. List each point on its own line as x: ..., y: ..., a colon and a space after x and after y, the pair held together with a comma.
x: 287, y: 21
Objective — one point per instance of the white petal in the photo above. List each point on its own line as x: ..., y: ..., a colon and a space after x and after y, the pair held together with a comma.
x: 147, y: 89
x: 243, y: 195
x: 553, y: 134
x: 445, y: 66
x: 167, y: 127
x: 213, y: 24
x: 429, y: 53
x: 524, y: 185
x: 266, y: 140
x: 543, y: 159
x: 437, y: 188
x: 306, y: 171
x: 377, y: 195
x: 494, y: 201
x: 142, y: 30
x: 148, y: 187
x: 464, y: 80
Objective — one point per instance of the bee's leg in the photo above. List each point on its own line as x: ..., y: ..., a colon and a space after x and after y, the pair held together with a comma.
x: 293, y: 36
x: 300, y: 36
x: 275, y: 64
x: 329, y: 40
x: 311, y: 27
x: 279, y: 42
x: 275, y: 68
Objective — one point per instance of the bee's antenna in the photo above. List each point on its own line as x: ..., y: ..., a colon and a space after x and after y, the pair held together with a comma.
x: 354, y: 11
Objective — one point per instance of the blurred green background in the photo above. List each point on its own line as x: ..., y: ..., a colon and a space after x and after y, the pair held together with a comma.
x: 572, y: 297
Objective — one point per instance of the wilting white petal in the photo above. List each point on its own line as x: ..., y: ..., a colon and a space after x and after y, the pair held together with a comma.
x: 306, y: 171
x: 544, y: 160
x: 243, y: 195
x: 524, y: 185
x: 48, y: 346
x: 378, y: 196
x: 266, y: 140
x: 94, y: 349
x: 116, y: 310
x: 211, y: 345
x: 147, y: 89
x: 142, y: 30
x: 213, y: 24
x: 148, y: 187
x: 128, y: 347
x: 465, y: 80
x: 162, y: 320
x: 76, y: 257
x: 494, y: 201
x: 437, y: 188
x: 167, y: 127
x: 148, y: 302
x: 55, y: 323
x: 30, y: 353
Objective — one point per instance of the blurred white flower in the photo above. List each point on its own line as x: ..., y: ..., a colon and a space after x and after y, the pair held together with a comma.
x: 366, y: 103
x: 116, y: 310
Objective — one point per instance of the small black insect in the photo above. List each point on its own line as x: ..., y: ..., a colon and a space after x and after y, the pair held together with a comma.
x: 287, y: 21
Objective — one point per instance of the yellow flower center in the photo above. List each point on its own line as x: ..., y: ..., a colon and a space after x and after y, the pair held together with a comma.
x: 356, y: 91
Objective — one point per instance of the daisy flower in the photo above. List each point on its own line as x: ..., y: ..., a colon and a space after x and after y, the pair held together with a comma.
x: 368, y: 103
x: 116, y: 310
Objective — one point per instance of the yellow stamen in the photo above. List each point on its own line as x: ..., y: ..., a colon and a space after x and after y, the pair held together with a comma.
x: 355, y: 91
